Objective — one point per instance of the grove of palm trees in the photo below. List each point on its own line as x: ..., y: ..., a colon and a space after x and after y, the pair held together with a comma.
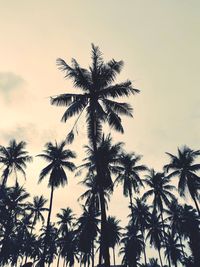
x: 163, y: 226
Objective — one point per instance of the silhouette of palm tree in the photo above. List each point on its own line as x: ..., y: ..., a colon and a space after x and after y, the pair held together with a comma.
x: 184, y: 167
x: 174, y: 248
x: 160, y: 189
x: 132, y: 246
x: 86, y: 233
x: 109, y: 154
x: 58, y: 161
x: 140, y: 215
x: 14, y: 159
x: 129, y: 175
x: 98, y: 90
x: 155, y: 232
x: 113, y: 233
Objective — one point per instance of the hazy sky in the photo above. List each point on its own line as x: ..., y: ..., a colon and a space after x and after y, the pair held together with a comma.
x: 159, y: 41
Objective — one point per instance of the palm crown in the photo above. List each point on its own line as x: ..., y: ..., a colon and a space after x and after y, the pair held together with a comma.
x: 98, y: 92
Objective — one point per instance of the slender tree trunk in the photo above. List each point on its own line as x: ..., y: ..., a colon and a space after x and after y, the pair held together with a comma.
x: 144, y: 250
x: 114, y: 256
x: 180, y: 238
x: 131, y: 203
x: 196, y: 204
x: 5, y: 177
x: 168, y: 258
x: 175, y: 264
x: 42, y: 263
x: 161, y: 263
x: 93, y: 254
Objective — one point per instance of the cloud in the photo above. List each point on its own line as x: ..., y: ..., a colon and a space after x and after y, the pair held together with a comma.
x: 9, y: 81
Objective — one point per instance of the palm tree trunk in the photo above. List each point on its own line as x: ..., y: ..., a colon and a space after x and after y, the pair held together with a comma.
x: 144, y: 250
x: 104, y: 249
x: 131, y: 203
x: 168, y: 258
x: 5, y: 177
x: 180, y: 238
x: 47, y: 229
x: 196, y: 204
x: 93, y: 254
x: 160, y: 258
x: 114, y: 256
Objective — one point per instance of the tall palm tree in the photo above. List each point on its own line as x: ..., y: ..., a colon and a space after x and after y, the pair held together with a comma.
x: 97, y: 100
x: 86, y: 233
x: 190, y: 227
x: 160, y: 190
x: 14, y: 159
x: 110, y: 155
x: 58, y: 161
x: 140, y: 214
x: 184, y: 167
x: 155, y: 233
x: 132, y: 246
x: 113, y: 232
x: 174, y: 248
x: 129, y: 172
x: 36, y: 211
x: 175, y: 218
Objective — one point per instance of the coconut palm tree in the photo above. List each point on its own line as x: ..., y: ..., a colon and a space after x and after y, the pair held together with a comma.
x: 139, y: 217
x: 97, y: 100
x: 86, y: 234
x: 132, y: 246
x: 184, y: 167
x: 190, y: 227
x: 174, y: 248
x: 109, y: 154
x: 58, y: 161
x: 161, y: 191
x: 129, y: 175
x: 155, y: 233
x: 66, y: 219
x: 175, y: 218
x: 14, y: 159
x: 113, y: 233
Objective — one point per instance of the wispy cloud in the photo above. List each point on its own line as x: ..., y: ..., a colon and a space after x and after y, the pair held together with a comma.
x: 10, y: 81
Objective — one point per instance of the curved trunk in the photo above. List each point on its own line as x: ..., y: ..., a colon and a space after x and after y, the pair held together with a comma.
x: 131, y: 202
x: 5, y: 176
x: 34, y: 220
x: 42, y: 262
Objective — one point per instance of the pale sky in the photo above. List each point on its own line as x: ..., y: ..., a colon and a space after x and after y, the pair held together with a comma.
x: 159, y: 41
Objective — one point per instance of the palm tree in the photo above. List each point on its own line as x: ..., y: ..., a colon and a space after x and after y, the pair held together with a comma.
x: 97, y: 101
x: 140, y: 214
x: 58, y: 161
x: 86, y: 233
x: 113, y: 233
x: 161, y: 191
x: 174, y: 248
x: 175, y: 217
x: 155, y: 232
x: 14, y: 206
x: 184, y: 167
x: 129, y: 175
x: 110, y: 155
x: 14, y: 158
x: 132, y: 246
x: 190, y: 227
x: 66, y: 218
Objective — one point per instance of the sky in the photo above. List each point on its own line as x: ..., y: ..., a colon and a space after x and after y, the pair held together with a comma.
x: 159, y: 42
